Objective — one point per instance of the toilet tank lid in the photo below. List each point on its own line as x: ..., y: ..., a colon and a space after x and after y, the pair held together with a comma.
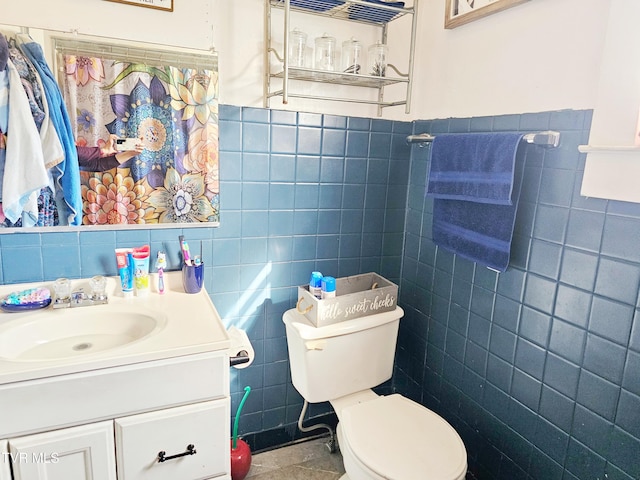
x: 307, y: 331
x: 400, y: 439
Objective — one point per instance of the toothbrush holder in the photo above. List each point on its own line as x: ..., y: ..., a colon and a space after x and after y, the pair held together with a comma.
x: 192, y: 278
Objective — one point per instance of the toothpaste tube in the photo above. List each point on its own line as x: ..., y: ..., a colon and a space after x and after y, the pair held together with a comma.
x: 125, y: 271
x: 141, y: 269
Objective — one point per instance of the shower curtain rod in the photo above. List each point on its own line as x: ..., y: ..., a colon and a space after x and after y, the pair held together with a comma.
x: 135, y: 54
x: 549, y: 138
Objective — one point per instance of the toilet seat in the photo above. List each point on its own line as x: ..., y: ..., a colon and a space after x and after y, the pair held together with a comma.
x: 398, y: 439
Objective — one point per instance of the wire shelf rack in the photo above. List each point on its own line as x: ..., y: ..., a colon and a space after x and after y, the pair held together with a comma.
x: 377, y: 12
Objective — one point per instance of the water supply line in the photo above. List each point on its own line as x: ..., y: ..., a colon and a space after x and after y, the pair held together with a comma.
x: 332, y: 439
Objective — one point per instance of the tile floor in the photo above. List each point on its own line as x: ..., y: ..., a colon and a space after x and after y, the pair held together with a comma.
x: 308, y: 460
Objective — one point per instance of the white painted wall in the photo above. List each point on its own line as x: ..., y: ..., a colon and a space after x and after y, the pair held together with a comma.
x: 541, y: 55
x: 538, y: 56
x: 612, y: 167
x: 188, y: 25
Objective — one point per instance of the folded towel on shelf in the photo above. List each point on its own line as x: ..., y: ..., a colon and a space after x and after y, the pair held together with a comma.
x: 469, y: 217
x: 477, y: 167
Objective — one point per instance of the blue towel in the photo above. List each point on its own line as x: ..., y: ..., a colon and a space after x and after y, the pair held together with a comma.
x: 473, y: 227
x: 477, y: 167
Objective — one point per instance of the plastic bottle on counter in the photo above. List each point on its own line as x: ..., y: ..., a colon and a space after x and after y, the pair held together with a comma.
x: 328, y: 287
x: 315, y: 284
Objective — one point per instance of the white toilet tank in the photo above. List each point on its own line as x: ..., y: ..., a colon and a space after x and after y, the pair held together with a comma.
x: 343, y: 358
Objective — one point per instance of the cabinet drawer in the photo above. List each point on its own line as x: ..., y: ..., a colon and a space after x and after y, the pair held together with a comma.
x: 62, y: 401
x: 140, y: 439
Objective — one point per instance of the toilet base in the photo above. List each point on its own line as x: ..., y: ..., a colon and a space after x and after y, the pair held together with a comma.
x: 351, y: 464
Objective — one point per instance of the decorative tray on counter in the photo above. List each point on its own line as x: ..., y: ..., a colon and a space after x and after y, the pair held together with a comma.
x: 30, y: 299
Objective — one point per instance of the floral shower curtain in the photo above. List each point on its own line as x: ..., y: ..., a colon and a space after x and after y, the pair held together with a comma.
x: 174, y: 111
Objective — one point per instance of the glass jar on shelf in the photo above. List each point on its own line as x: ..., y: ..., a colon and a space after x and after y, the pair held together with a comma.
x: 325, y: 53
x: 297, y: 48
x: 352, y: 56
x: 378, y: 54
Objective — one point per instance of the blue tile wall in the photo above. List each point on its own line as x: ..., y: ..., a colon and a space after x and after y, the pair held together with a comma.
x: 304, y: 198
x: 538, y: 367
x: 299, y: 192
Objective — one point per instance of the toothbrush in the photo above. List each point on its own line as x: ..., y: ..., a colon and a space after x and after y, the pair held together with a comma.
x: 197, y: 260
x: 185, y: 250
x: 161, y: 264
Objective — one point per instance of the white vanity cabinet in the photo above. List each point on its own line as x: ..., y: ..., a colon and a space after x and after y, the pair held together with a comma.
x: 63, y: 428
x: 189, y: 442
x: 80, y: 410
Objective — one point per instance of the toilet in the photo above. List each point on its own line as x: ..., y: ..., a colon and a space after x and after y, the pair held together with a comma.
x: 380, y: 437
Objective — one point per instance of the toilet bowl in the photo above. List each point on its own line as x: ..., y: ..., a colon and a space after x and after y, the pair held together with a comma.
x: 395, y: 438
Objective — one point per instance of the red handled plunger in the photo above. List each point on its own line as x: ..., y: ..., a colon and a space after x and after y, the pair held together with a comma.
x: 240, y: 451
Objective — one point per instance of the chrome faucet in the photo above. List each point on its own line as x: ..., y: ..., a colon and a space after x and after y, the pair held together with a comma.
x: 78, y: 298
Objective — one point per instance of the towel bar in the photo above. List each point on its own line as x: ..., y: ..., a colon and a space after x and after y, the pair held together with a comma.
x: 549, y: 138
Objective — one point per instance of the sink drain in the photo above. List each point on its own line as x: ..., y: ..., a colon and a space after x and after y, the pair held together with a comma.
x: 82, y: 346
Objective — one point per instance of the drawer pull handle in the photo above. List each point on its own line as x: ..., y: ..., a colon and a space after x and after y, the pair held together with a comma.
x: 162, y: 456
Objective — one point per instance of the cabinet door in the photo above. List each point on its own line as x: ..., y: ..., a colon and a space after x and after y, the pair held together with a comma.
x: 194, y: 440
x: 78, y: 453
x: 5, y: 469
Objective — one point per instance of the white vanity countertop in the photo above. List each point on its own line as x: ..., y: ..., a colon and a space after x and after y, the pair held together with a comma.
x: 188, y: 324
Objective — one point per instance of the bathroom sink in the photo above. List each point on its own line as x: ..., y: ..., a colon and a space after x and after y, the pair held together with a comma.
x: 47, y: 342
x: 72, y: 332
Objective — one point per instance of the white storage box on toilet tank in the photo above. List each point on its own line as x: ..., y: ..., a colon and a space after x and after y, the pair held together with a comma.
x: 356, y: 296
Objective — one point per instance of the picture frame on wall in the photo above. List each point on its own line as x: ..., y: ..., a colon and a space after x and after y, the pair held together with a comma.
x: 166, y: 5
x: 460, y: 12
